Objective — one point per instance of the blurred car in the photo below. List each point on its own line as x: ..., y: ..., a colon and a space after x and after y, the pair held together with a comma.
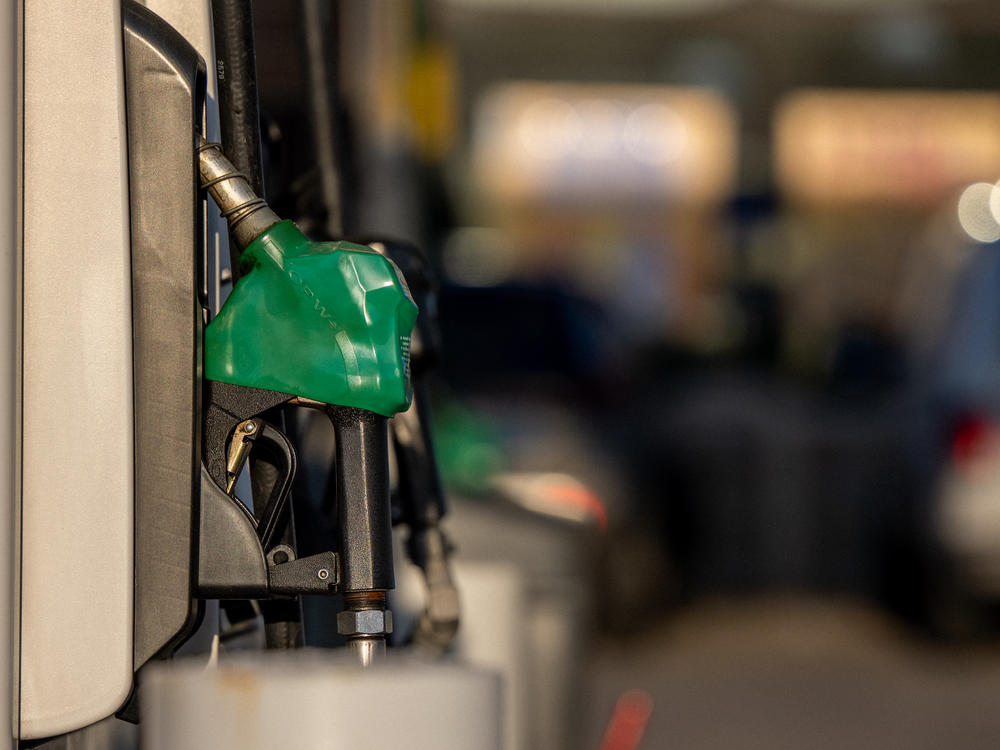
x: 963, y: 450
x: 968, y: 510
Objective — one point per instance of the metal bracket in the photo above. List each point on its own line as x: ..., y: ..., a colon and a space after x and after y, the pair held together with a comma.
x: 316, y: 574
x: 231, y: 560
x: 225, y: 406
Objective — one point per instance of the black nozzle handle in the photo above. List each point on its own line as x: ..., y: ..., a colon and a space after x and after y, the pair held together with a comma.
x: 363, y: 513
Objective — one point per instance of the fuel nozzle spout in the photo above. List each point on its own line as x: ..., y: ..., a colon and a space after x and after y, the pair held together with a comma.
x: 366, y: 623
x: 248, y: 214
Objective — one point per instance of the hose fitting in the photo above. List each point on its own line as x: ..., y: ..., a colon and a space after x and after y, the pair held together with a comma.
x: 247, y: 213
x: 365, y: 622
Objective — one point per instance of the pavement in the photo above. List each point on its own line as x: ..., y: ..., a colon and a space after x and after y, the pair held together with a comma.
x: 794, y: 672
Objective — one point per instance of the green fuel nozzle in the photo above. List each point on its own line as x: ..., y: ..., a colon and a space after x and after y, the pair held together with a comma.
x: 329, y: 323
x: 326, y: 321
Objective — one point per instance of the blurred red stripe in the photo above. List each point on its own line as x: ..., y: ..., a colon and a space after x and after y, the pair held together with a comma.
x: 582, y: 498
x: 628, y: 721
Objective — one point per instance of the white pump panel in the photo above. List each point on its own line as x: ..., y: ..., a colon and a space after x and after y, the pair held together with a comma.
x: 73, y: 635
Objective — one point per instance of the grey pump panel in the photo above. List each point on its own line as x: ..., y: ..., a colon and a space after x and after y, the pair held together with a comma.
x: 165, y: 84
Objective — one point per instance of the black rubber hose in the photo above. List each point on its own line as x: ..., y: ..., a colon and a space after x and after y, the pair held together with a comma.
x: 239, y: 113
x: 239, y: 121
x: 319, y: 33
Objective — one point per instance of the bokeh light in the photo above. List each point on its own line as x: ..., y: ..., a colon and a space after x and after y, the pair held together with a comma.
x: 975, y: 212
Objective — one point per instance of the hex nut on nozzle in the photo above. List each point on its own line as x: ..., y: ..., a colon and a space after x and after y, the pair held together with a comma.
x: 364, y: 622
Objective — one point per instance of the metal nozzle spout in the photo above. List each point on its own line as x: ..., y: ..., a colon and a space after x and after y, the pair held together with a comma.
x: 247, y: 213
x: 366, y: 623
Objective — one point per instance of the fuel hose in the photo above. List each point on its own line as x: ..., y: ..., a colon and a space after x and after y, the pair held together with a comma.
x: 239, y: 112
x: 239, y: 122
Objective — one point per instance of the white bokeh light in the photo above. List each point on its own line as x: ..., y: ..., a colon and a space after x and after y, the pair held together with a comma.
x: 976, y: 212
x: 550, y: 128
x: 655, y: 134
x: 995, y: 202
x: 604, y: 122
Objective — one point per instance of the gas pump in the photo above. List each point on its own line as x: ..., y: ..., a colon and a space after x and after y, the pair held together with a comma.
x: 136, y: 409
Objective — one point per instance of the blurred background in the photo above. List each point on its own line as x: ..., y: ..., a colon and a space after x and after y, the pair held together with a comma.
x: 719, y: 303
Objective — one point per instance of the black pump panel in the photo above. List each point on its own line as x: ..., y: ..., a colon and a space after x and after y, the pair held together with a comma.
x: 165, y: 88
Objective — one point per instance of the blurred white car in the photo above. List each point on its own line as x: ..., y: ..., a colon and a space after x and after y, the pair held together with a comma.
x: 968, y: 514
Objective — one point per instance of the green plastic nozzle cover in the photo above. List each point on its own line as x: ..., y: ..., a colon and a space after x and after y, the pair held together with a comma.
x: 329, y: 321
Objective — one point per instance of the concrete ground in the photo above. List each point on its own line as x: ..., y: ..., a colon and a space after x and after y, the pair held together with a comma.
x: 797, y: 673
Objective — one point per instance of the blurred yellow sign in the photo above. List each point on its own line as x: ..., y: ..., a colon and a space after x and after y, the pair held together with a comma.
x: 898, y: 147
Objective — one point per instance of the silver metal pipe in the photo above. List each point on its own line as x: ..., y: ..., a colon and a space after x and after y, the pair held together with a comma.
x: 366, y: 623
x: 247, y: 213
x: 367, y: 650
